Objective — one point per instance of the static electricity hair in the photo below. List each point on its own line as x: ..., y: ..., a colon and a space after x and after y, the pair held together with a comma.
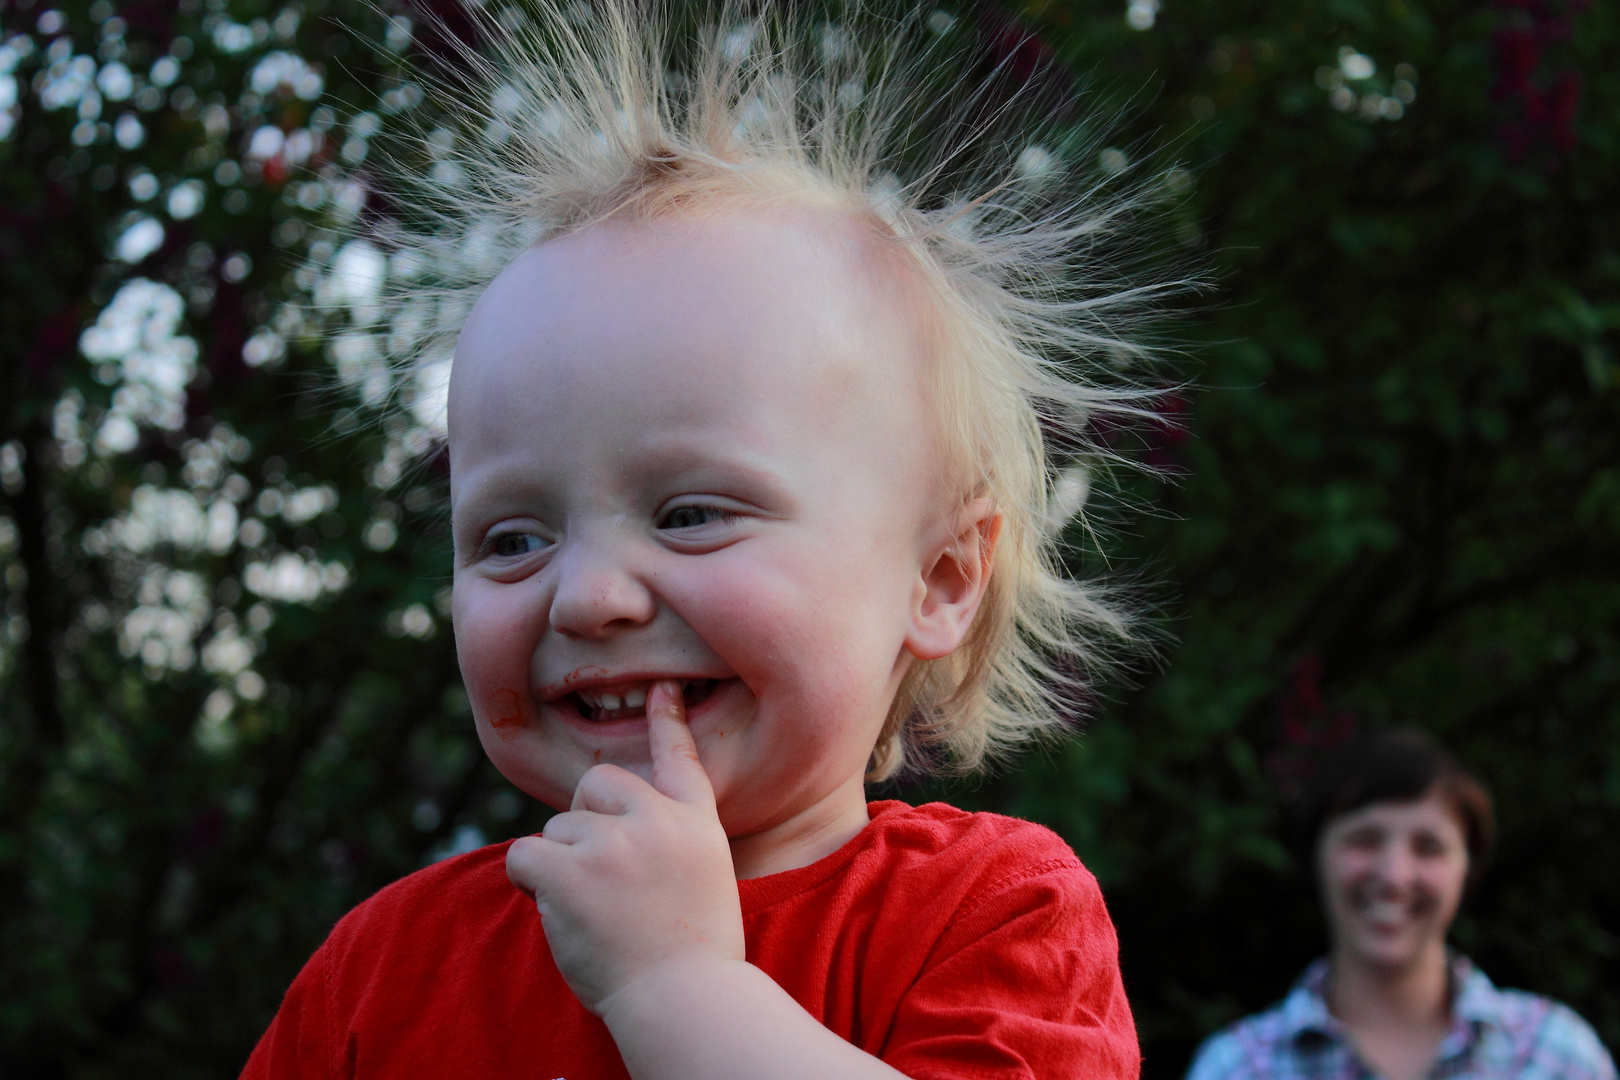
x: 570, y: 115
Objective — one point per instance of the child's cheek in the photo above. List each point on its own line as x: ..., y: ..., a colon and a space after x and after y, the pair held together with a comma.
x: 493, y: 652
x: 772, y: 624
x: 506, y: 711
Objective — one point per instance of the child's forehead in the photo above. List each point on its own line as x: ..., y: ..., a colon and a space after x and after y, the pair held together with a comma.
x: 787, y: 303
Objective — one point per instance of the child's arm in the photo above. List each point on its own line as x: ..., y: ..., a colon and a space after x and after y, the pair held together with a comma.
x: 639, y: 899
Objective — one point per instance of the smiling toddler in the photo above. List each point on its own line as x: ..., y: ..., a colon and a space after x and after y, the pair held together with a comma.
x: 752, y: 471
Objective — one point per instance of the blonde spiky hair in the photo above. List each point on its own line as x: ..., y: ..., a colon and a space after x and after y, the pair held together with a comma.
x: 577, y: 114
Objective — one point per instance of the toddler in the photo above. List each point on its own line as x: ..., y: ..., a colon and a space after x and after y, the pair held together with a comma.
x: 751, y: 490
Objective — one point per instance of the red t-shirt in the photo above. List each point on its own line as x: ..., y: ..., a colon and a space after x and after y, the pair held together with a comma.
x: 948, y: 944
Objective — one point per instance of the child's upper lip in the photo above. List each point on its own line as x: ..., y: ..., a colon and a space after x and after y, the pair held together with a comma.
x: 595, y: 678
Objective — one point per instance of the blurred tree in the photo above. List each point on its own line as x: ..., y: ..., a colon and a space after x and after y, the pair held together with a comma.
x: 230, y: 705
x: 228, y: 702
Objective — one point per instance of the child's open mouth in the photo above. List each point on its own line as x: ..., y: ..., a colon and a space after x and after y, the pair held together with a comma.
x: 629, y: 702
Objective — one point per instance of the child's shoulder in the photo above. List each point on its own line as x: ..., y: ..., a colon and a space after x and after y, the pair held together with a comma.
x: 942, y: 834
x: 938, y: 928
x: 468, y: 887
x: 938, y: 854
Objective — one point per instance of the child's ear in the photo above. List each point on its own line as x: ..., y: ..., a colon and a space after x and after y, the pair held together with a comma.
x: 954, y: 582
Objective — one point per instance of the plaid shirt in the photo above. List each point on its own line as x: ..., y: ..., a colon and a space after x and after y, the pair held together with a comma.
x: 1495, y: 1035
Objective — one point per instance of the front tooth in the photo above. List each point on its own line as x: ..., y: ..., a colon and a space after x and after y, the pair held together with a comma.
x: 610, y: 701
x: 635, y: 699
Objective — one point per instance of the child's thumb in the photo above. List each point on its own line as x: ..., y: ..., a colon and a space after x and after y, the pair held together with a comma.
x: 677, y: 772
x: 523, y: 863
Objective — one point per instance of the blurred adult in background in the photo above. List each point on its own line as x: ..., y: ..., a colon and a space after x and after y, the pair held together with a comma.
x: 1396, y: 832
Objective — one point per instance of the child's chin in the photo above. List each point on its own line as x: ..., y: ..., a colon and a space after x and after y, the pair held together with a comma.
x: 631, y: 754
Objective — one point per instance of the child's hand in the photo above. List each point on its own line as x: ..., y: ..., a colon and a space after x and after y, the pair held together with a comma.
x: 635, y: 878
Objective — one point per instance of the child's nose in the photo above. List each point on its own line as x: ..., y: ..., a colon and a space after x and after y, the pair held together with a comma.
x: 596, y: 594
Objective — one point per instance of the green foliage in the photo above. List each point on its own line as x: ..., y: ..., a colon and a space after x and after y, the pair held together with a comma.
x: 1399, y: 502
x: 228, y: 701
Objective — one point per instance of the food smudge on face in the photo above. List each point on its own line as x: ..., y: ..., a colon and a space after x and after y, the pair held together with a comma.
x: 505, y: 709
x: 574, y: 677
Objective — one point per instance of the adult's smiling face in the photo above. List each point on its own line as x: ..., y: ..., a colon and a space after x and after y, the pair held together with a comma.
x: 1392, y: 875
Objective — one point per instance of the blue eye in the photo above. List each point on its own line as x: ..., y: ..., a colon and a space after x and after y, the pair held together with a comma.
x: 512, y: 544
x: 691, y: 517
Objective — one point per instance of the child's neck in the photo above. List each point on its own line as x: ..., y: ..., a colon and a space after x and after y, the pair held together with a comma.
x: 806, y: 837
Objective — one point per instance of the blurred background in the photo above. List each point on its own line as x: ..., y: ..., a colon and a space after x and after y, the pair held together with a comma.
x: 229, y: 707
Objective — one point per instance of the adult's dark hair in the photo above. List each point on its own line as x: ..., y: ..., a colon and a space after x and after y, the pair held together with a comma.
x: 1398, y: 765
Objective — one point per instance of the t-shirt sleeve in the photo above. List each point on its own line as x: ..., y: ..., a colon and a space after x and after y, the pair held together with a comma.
x: 1024, y: 983
x: 298, y: 1042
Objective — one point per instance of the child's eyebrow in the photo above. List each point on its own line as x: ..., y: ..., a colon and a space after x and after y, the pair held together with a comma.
x: 663, y: 470
x: 494, y: 493
x: 677, y: 463
x: 513, y: 480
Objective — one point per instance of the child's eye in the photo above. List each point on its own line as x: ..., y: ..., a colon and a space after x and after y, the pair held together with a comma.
x: 691, y: 517
x: 513, y: 544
